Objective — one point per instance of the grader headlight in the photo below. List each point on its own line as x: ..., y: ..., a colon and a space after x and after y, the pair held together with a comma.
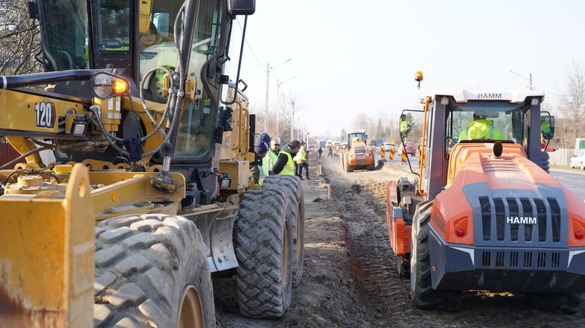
x: 106, y: 86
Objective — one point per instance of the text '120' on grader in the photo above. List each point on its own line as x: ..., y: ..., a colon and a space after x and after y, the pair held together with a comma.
x: 148, y: 192
x: 484, y: 213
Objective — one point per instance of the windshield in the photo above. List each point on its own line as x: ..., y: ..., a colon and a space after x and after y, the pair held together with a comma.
x: 356, y: 136
x: 158, y: 49
x: 64, y: 34
x: 112, y: 26
x: 486, y: 121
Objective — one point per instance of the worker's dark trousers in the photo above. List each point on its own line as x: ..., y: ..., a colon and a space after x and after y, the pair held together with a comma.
x: 299, y: 169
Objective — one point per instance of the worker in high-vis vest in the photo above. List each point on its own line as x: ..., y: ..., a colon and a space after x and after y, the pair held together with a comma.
x: 273, y: 152
x: 481, y: 128
x: 301, y: 160
x: 285, y: 164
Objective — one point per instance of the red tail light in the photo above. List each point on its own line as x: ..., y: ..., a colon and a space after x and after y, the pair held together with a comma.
x: 460, y: 232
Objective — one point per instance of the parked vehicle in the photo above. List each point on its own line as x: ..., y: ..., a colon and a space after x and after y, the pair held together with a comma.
x: 411, y: 148
x: 578, y: 161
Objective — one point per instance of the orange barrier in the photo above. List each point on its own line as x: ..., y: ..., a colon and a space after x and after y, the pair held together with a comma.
x: 404, y: 155
x: 391, y: 153
x: 383, y: 152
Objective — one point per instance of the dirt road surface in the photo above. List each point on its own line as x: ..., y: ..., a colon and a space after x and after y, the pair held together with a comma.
x: 349, y: 276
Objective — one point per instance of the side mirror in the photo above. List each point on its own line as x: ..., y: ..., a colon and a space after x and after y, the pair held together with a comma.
x: 241, y: 7
x: 547, y: 127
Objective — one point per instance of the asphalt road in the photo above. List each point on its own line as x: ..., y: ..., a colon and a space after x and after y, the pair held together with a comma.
x: 573, y: 179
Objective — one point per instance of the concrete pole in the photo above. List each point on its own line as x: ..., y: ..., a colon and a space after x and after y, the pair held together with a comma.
x: 267, y: 92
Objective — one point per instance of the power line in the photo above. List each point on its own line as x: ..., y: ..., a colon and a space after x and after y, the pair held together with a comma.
x: 250, y: 47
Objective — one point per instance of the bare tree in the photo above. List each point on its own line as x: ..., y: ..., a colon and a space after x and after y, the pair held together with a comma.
x: 289, y: 108
x: 19, y: 39
x: 572, y: 109
x: 362, y: 122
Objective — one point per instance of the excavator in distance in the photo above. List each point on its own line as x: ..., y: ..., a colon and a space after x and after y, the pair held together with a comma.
x: 483, y: 212
x: 150, y: 191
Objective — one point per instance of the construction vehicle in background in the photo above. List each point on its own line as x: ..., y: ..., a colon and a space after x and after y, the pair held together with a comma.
x: 485, y: 214
x: 150, y: 190
x: 358, y: 155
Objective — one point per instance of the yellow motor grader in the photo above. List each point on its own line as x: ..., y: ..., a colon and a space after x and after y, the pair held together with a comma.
x: 147, y: 192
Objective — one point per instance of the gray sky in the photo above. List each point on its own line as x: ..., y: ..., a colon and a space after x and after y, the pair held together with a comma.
x: 351, y: 57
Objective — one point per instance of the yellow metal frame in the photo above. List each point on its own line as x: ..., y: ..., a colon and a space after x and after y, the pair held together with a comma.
x: 47, y: 258
x: 47, y: 245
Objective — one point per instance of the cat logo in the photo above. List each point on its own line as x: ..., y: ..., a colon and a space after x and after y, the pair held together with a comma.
x: 520, y: 220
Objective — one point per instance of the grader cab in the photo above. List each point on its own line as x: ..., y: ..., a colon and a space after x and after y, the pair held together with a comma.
x: 148, y: 192
x: 483, y: 212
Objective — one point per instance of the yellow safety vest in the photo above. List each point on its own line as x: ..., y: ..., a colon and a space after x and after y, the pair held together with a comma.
x: 263, y: 169
x: 289, y: 167
x: 301, y: 156
x: 273, y: 157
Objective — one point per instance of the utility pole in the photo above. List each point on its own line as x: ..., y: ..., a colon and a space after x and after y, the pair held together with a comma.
x: 278, y: 95
x: 267, y: 92
x: 266, y: 104
x: 292, y: 121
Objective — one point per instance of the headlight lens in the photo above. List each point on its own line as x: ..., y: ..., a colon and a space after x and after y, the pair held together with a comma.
x: 106, y: 86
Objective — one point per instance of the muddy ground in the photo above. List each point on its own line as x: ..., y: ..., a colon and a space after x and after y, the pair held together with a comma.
x: 350, y: 278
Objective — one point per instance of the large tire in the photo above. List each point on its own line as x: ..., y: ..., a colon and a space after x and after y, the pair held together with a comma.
x: 264, y: 250
x: 293, y: 188
x: 151, y: 270
x: 421, y: 289
x: 372, y: 166
x: 545, y: 161
x: 348, y: 168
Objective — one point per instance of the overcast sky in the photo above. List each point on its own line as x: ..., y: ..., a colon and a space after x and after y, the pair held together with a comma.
x: 351, y: 57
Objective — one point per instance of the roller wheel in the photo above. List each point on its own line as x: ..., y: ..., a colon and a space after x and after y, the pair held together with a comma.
x: 347, y: 167
x: 151, y: 271
x: 421, y: 289
x: 372, y: 166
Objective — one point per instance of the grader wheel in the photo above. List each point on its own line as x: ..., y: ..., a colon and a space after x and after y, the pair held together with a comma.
x: 151, y: 271
x: 264, y: 249
x: 292, y: 187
